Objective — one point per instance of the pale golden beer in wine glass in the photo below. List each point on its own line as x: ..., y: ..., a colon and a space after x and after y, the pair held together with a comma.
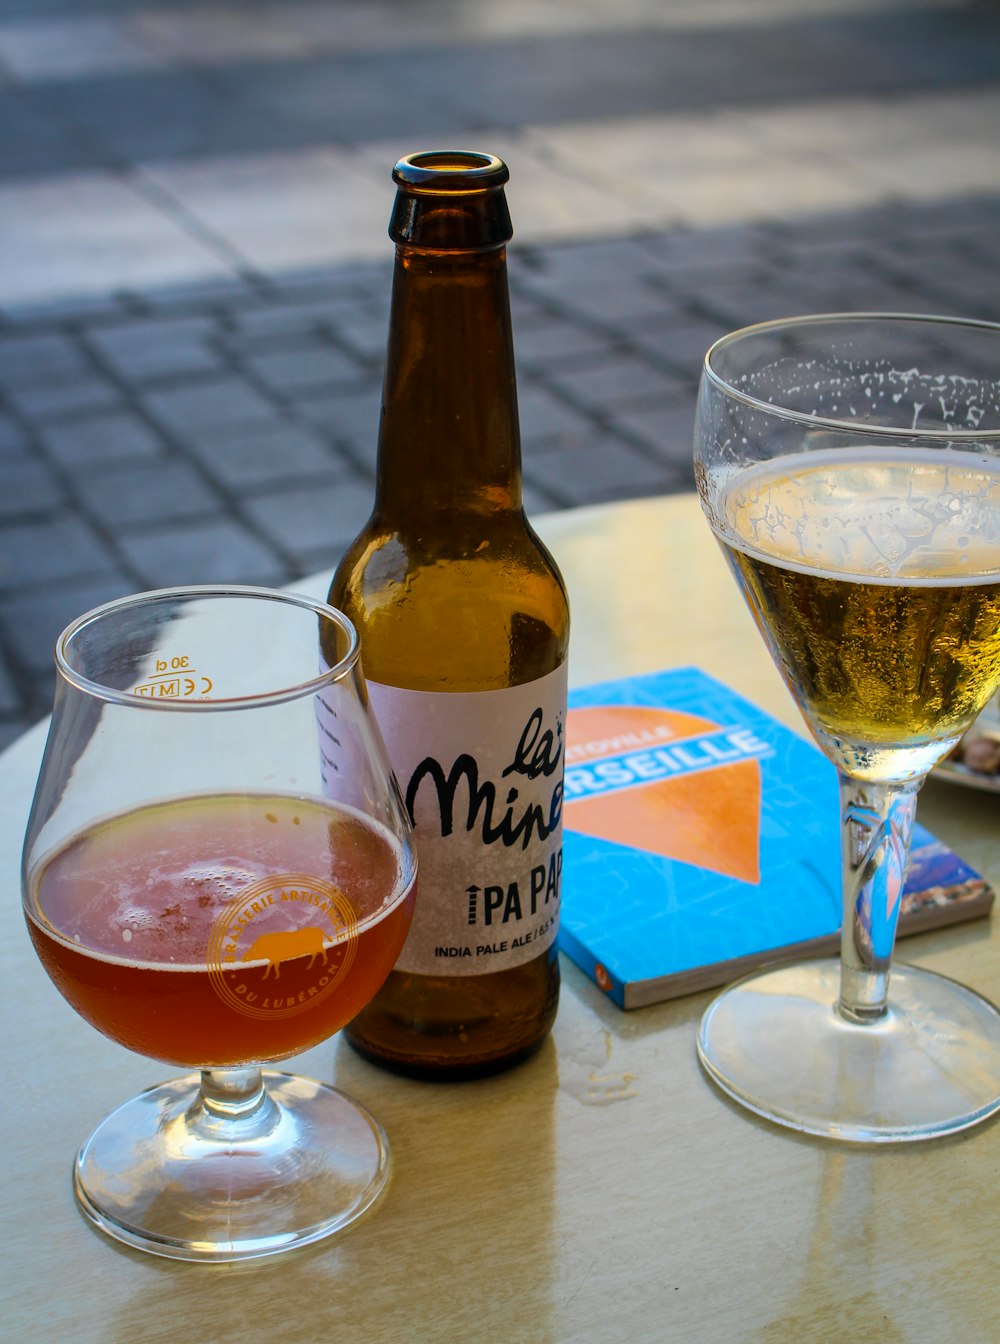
x: 849, y: 466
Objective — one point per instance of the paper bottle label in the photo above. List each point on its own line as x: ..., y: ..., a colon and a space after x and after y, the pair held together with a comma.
x: 482, y: 777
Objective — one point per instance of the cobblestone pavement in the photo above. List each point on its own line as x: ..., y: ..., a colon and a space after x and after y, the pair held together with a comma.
x: 194, y: 304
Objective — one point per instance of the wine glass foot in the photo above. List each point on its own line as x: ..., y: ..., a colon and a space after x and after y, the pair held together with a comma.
x: 159, y: 1175
x: 929, y: 1066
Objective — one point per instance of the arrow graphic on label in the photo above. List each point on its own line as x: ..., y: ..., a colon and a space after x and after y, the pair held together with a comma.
x: 473, y: 892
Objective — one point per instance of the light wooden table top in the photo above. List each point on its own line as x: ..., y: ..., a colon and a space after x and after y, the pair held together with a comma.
x: 602, y: 1191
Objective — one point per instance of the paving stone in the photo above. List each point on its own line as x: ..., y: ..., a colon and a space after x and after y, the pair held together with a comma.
x: 328, y: 98
x: 352, y: 279
x: 667, y: 433
x: 366, y: 340
x: 845, y: 252
x: 217, y: 293
x: 679, y: 342
x: 81, y: 443
x: 833, y: 226
x: 34, y: 141
x: 606, y: 406
x: 49, y: 552
x: 949, y: 286
x: 536, y: 499
x: 527, y: 309
x: 33, y: 621
x: 765, y: 299
x: 27, y: 486
x: 276, y: 455
x: 558, y: 341
x: 69, y: 308
x: 220, y: 403
x: 874, y: 295
x: 350, y: 419
x: 363, y: 327
x: 96, y: 232
x: 299, y: 369
x: 26, y: 361
x: 57, y: 400
x: 555, y: 268
x: 160, y: 115
x: 220, y: 550
x: 270, y: 327
x: 546, y: 417
x: 514, y: 79
x: 975, y: 214
x: 307, y: 523
x: 614, y: 382
x: 687, y: 287
x: 13, y: 440
x: 609, y: 331
x: 10, y: 699
x: 618, y: 301
x: 143, y: 351
x: 738, y: 305
x: 603, y: 470
x: 895, y: 256
x: 679, y: 251
x: 153, y: 491
x: 12, y: 728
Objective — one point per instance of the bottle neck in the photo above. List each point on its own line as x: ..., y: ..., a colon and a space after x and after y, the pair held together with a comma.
x: 449, y: 440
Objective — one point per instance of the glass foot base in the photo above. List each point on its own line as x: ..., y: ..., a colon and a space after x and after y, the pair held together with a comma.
x: 165, y: 1174
x: 930, y: 1066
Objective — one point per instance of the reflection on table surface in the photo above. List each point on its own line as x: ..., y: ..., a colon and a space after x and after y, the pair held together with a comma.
x: 602, y: 1190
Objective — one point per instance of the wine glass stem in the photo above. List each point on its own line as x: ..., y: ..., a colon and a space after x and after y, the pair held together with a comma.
x: 232, y: 1105
x: 876, y: 824
x: 231, y: 1093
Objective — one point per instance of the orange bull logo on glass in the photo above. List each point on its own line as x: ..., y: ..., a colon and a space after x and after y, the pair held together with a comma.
x: 666, y: 781
x: 274, y: 948
x: 282, y: 945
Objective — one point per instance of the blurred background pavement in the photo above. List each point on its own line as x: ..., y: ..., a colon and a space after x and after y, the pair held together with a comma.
x: 194, y: 268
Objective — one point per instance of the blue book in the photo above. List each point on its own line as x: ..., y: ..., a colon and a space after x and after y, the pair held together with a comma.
x: 701, y: 840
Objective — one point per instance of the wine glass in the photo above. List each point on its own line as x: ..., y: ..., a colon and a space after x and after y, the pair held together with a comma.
x: 849, y: 466
x: 218, y: 874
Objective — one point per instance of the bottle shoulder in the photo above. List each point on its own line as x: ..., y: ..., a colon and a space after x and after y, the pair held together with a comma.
x: 443, y: 613
x: 461, y: 564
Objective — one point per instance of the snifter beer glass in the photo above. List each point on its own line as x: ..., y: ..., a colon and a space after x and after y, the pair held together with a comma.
x: 218, y: 874
x: 849, y: 466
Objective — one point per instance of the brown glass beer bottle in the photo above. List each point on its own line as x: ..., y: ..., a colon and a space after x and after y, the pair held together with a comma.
x: 464, y: 627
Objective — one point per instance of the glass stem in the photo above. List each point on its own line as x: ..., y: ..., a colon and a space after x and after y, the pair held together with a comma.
x: 876, y: 824
x: 232, y: 1104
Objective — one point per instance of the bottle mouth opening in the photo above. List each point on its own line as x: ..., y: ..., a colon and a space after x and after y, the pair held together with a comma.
x: 450, y: 170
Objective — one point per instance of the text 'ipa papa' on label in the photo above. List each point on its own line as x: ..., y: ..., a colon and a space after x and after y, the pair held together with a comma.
x: 221, y: 930
x: 874, y: 576
x: 464, y: 624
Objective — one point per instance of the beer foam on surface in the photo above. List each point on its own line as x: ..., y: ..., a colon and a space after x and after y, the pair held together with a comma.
x: 873, y: 513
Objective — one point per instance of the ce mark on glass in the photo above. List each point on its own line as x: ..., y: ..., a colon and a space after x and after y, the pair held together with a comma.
x: 174, y: 678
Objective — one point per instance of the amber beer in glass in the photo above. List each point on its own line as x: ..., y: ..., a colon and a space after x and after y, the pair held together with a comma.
x: 464, y: 621
x: 218, y: 874
x: 143, y: 957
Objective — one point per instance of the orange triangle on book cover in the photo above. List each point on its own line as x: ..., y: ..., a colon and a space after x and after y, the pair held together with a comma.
x: 708, y: 817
